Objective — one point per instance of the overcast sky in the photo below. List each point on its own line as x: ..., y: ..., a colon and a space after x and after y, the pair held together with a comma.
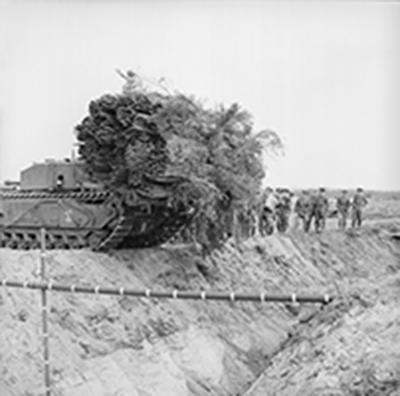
x: 324, y: 75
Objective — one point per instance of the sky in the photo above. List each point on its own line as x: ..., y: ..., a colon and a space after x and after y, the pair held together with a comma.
x: 323, y: 75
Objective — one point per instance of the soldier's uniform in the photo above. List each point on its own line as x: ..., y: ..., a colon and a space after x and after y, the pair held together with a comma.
x: 320, y: 210
x: 268, y: 214
x: 133, y: 83
x: 357, y: 206
x: 303, y: 210
x: 343, y: 205
x: 247, y: 220
x: 283, y: 209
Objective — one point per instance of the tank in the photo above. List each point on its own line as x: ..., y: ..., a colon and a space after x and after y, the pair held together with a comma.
x: 77, y: 213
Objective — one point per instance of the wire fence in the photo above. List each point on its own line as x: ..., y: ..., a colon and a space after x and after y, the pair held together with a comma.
x: 46, y: 285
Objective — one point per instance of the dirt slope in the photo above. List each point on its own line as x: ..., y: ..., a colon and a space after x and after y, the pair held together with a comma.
x: 102, y: 345
x: 353, y: 347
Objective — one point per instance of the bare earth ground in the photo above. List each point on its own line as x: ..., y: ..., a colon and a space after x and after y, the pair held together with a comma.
x: 103, y: 345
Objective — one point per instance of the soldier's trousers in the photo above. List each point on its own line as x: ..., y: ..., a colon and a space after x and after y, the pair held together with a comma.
x: 356, y: 218
x: 307, y: 218
x: 342, y: 219
x: 319, y: 221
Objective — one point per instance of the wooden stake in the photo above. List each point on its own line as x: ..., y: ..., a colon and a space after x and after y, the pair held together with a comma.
x: 44, y: 314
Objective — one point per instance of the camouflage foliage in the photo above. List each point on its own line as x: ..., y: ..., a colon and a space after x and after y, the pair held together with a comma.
x: 125, y: 137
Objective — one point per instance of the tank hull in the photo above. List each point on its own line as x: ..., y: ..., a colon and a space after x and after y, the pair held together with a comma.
x: 95, y: 219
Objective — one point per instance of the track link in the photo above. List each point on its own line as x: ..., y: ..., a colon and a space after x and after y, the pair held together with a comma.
x: 162, y: 233
x: 119, y: 233
x: 133, y: 227
x: 86, y: 196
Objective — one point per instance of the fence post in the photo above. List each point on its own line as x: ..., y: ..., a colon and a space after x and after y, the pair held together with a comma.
x: 44, y: 313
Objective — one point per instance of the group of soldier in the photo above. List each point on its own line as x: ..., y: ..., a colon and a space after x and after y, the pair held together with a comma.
x: 278, y: 209
x: 311, y: 209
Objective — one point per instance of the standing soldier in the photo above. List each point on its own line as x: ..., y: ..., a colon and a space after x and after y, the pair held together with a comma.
x: 268, y: 212
x: 303, y: 209
x: 252, y: 215
x: 297, y: 218
x: 132, y: 84
x: 343, y: 205
x: 283, y: 209
x: 320, y: 210
x: 260, y: 203
x: 246, y: 220
x: 357, y: 206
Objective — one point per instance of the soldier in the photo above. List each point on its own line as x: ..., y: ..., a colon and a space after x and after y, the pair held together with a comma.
x: 132, y: 82
x: 252, y: 220
x: 303, y: 209
x: 357, y: 205
x: 296, y: 211
x: 283, y: 209
x: 343, y: 205
x: 245, y: 219
x: 320, y: 210
x: 267, y: 213
x: 60, y: 182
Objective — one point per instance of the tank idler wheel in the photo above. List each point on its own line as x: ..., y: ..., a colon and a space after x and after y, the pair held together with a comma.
x: 66, y: 242
x: 94, y: 240
x: 74, y: 243
x: 35, y: 244
x: 23, y: 242
x: 11, y: 241
x: 50, y: 241
x: 4, y: 240
x: 12, y: 244
x: 82, y: 243
x: 59, y: 242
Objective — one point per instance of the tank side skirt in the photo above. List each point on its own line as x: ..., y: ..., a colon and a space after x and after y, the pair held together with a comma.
x: 65, y: 204
x: 22, y: 214
x: 133, y: 226
x: 26, y: 237
x: 161, y: 233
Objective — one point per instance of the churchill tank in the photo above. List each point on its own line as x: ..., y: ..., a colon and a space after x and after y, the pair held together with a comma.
x: 79, y: 213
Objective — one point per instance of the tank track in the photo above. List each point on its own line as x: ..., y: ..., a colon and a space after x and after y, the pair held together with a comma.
x: 119, y: 233
x: 168, y: 223
x: 165, y: 230
x: 26, y: 238
x: 86, y: 196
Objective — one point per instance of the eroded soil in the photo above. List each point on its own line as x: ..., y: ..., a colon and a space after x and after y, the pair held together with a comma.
x: 103, y: 345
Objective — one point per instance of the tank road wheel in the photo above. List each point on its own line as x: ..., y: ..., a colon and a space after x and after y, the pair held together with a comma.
x: 4, y: 240
x: 50, y: 241
x: 23, y: 242
x: 74, y: 243
x: 35, y: 243
x: 66, y: 242
x: 11, y: 241
x: 59, y: 242
x: 30, y: 238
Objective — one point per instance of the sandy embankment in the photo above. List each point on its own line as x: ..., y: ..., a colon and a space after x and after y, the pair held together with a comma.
x: 103, y: 345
